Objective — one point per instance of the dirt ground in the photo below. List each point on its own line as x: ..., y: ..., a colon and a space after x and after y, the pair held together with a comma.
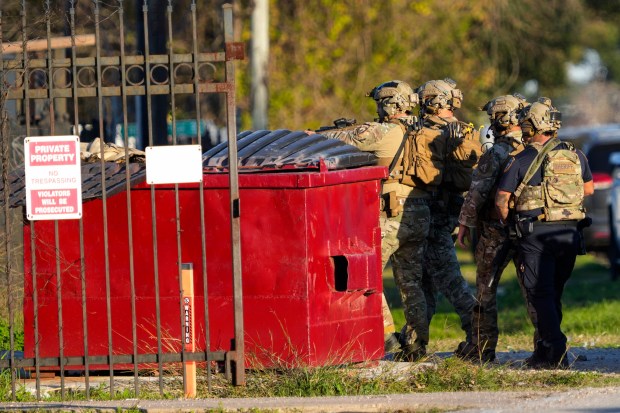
x: 580, y: 359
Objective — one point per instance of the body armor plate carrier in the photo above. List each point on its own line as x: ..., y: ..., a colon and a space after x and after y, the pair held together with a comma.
x: 560, y: 194
x: 440, y: 156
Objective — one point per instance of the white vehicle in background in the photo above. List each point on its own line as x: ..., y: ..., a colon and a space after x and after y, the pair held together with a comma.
x: 614, y: 217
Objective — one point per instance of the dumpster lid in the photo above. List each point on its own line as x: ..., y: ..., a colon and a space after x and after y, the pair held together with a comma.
x: 258, y: 151
x: 115, y: 178
x: 283, y: 149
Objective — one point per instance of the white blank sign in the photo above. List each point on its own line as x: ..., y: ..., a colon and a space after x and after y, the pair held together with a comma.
x: 173, y: 164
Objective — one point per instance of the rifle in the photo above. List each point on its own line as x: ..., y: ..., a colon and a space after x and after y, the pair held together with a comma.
x: 340, y: 123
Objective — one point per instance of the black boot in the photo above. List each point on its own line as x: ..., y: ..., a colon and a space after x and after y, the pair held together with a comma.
x: 470, y: 352
x: 558, y: 357
x: 410, y: 353
x: 547, y: 357
x: 538, y: 357
x: 391, y: 343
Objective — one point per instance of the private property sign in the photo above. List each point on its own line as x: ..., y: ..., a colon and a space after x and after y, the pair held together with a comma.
x: 53, y: 177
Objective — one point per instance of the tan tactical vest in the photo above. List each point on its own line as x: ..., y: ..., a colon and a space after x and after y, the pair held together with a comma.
x: 432, y: 157
x: 423, y: 161
x: 462, y: 155
x: 560, y: 193
x: 389, y: 148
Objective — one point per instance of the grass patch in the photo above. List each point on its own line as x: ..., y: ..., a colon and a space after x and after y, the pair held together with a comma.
x: 590, y: 308
x: 5, y: 336
x: 449, y: 374
x: 455, y: 375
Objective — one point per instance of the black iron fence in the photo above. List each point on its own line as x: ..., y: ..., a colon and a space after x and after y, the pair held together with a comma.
x: 44, y: 92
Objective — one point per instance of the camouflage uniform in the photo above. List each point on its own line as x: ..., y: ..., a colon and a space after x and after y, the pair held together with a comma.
x: 440, y: 261
x: 494, y: 249
x: 403, y: 236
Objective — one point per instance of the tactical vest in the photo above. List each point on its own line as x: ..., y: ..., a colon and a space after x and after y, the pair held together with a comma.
x: 423, y: 161
x: 391, y: 162
x: 421, y: 164
x: 462, y: 155
x: 560, y: 193
x: 432, y: 157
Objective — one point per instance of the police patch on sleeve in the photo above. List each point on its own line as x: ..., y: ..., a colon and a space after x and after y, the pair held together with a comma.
x: 484, y: 165
x: 510, y: 162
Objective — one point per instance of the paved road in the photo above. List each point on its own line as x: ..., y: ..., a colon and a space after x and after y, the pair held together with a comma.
x: 579, y: 400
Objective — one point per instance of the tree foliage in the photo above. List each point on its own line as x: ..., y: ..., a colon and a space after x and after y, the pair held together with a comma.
x: 325, y: 56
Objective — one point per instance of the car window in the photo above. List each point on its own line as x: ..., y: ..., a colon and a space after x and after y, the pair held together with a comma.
x: 598, y: 157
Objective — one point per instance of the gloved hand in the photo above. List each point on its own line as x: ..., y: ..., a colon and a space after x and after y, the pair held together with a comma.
x: 455, y: 130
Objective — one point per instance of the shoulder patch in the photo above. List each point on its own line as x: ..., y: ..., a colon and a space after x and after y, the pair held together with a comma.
x: 485, y: 163
x: 510, y: 162
x: 363, y: 128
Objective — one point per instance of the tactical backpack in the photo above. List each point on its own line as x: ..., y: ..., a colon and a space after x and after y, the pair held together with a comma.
x: 560, y: 194
x: 423, y: 158
x: 463, y: 150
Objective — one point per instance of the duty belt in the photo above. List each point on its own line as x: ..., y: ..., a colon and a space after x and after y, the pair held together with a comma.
x: 412, y: 200
x: 540, y: 220
x: 564, y: 222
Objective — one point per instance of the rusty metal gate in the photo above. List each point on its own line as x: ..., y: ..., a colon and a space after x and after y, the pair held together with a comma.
x: 35, y: 79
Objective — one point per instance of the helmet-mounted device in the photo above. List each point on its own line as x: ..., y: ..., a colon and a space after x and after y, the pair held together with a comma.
x: 394, y: 97
x: 439, y: 94
x: 540, y: 117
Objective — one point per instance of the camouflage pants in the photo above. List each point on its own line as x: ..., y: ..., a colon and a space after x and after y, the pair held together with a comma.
x: 403, y: 240
x: 441, y: 264
x: 493, y: 253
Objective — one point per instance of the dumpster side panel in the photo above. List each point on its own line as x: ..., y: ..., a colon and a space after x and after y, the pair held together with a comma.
x: 274, y: 264
x: 345, y: 273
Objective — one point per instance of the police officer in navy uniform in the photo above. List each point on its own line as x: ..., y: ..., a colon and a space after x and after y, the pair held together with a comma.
x: 547, y: 182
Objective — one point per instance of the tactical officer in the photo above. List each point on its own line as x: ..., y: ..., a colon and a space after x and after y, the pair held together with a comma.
x: 405, y: 216
x: 548, y: 181
x: 494, y: 248
x: 443, y: 131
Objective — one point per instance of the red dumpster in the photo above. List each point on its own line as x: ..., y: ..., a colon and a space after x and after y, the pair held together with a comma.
x: 311, y: 263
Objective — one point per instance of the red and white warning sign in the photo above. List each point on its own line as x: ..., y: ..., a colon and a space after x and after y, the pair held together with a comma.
x: 53, y: 177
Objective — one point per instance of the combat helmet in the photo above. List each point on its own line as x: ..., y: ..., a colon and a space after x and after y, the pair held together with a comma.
x: 504, y: 111
x: 394, y: 97
x: 438, y: 94
x: 540, y: 117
